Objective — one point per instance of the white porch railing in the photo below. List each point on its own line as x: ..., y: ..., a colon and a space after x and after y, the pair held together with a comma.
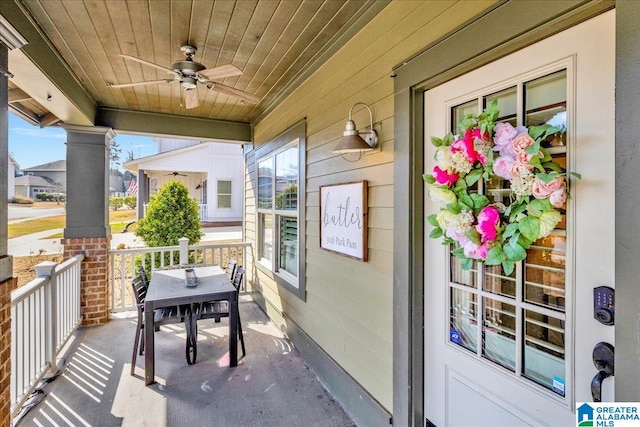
x: 44, y: 314
x: 202, y: 209
x: 125, y: 263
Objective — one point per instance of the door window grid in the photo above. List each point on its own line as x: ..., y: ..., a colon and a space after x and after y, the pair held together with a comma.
x: 521, y: 316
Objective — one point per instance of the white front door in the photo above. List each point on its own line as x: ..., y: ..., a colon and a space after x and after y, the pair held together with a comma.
x: 517, y: 350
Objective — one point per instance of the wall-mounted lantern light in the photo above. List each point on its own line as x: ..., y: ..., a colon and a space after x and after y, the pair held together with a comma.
x: 351, y: 141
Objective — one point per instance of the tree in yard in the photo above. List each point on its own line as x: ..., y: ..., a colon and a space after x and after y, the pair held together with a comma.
x: 171, y: 214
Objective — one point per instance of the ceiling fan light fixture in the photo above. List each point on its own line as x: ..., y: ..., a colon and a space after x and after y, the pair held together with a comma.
x: 189, y: 82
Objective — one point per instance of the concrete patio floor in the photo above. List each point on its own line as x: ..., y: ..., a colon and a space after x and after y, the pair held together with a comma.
x: 271, y: 386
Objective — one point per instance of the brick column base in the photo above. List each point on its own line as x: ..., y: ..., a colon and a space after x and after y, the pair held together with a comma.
x: 94, y: 279
x: 5, y: 349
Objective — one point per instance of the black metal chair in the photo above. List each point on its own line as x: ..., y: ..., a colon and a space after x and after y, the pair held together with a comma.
x: 219, y: 309
x: 162, y: 316
x: 231, y: 269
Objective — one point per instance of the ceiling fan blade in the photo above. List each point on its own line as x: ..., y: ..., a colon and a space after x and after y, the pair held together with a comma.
x: 148, y: 82
x: 227, y: 90
x: 228, y: 70
x: 191, y: 98
x: 150, y: 64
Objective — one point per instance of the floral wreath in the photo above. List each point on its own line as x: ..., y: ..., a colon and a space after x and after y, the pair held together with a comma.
x: 492, y: 232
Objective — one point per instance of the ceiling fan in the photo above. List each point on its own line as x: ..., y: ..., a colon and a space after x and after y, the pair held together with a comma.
x: 189, y: 73
x: 176, y: 174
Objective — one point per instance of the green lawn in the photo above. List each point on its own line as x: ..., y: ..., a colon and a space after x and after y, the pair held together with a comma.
x: 117, y: 219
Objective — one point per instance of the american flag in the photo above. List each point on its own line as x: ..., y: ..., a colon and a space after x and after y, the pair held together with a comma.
x: 133, y: 187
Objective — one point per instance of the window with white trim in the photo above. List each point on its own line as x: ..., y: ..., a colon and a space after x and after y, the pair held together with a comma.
x: 224, y: 194
x: 280, y: 210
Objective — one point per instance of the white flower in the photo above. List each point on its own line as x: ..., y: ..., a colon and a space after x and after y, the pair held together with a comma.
x: 460, y: 162
x: 443, y: 158
x: 522, y: 184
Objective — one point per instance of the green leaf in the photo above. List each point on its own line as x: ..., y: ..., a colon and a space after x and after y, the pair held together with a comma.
x: 535, y: 132
x: 546, y: 157
x: 533, y: 149
x: 454, y: 208
x: 473, y: 176
x: 458, y: 252
x: 474, y: 236
x: 448, y: 139
x: 552, y: 166
x: 516, y: 209
x: 524, y: 242
x: 479, y: 201
x: 547, y: 177
x: 576, y: 174
x: 466, y: 263
x: 495, y: 256
x: 429, y: 179
x: 436, y: 233
x: 466, y: 201
x: 515, y: 252
x: 467, y: 122
x: 510, y: 230
x: 537, y: 206
x: 508, y: 267
x: 432, y: 220
x: 529, y: 227
x: 437, y: 142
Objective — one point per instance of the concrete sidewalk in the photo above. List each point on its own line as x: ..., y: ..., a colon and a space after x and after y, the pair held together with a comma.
x: 32, y: 244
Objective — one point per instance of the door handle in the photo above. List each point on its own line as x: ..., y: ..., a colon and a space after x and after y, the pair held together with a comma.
x: 603, y: 360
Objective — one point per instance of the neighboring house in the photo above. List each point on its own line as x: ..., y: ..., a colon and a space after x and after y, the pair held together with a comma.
x: 30, y: 185
x: 11, y: 177
x: 56, y: 172
x: 117, y: 186
x: 212, y: 171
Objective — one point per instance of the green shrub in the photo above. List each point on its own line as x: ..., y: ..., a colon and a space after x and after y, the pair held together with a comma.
x: 171, y: 214
x: 116, y: 203
x: 131, y: 201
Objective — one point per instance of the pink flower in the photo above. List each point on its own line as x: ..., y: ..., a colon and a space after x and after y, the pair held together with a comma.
x: 443, y: 177
x: 465, y: 147
x: 488, y: 221
x: 558, y: 197
x: 472, y: 135
x: 522, y: 141
x: 542, y: 190
x: 519, y: 168
x: 523, y: 157
x: 503, y: 133
x: 502, y: 167
x: 474, y: 251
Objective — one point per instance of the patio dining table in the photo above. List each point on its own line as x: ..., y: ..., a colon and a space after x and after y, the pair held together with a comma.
x: 168, y: 288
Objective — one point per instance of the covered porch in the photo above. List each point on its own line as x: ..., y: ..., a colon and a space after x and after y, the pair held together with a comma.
x: 271, y: 385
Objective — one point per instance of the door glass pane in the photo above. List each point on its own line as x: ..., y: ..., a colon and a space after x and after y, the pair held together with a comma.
x: 463, y: 323
x: 266, y: 237
x: 496, y: 282
x: 287, y: 179
x: 458, y: 112
x: 289, y: 245
x: 546, y: 102
x: 545, y: 272
x: 265, y: 183
x: 507, y: 104
x: 499, y: 333
x: 461, y: 276
x: 544, y: 356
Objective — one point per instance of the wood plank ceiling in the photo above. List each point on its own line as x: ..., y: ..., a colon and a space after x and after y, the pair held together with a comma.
x: 275, y: 43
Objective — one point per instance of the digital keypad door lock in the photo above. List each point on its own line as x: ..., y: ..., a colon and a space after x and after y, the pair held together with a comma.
x: 604, y: 305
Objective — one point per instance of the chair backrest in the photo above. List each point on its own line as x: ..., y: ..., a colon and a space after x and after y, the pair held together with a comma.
x: 237, y: 280
x: 139, y: 288
x: 231, y: 269
x: 142, y: 272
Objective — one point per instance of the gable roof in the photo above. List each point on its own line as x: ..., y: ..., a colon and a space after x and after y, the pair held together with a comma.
x: 57, y: 166
x: 34, y: 181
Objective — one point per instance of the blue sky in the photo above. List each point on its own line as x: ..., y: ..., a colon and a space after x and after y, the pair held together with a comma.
x: 31, y: 146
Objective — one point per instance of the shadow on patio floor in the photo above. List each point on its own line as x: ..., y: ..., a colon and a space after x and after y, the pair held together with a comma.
x: 271, y: 386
